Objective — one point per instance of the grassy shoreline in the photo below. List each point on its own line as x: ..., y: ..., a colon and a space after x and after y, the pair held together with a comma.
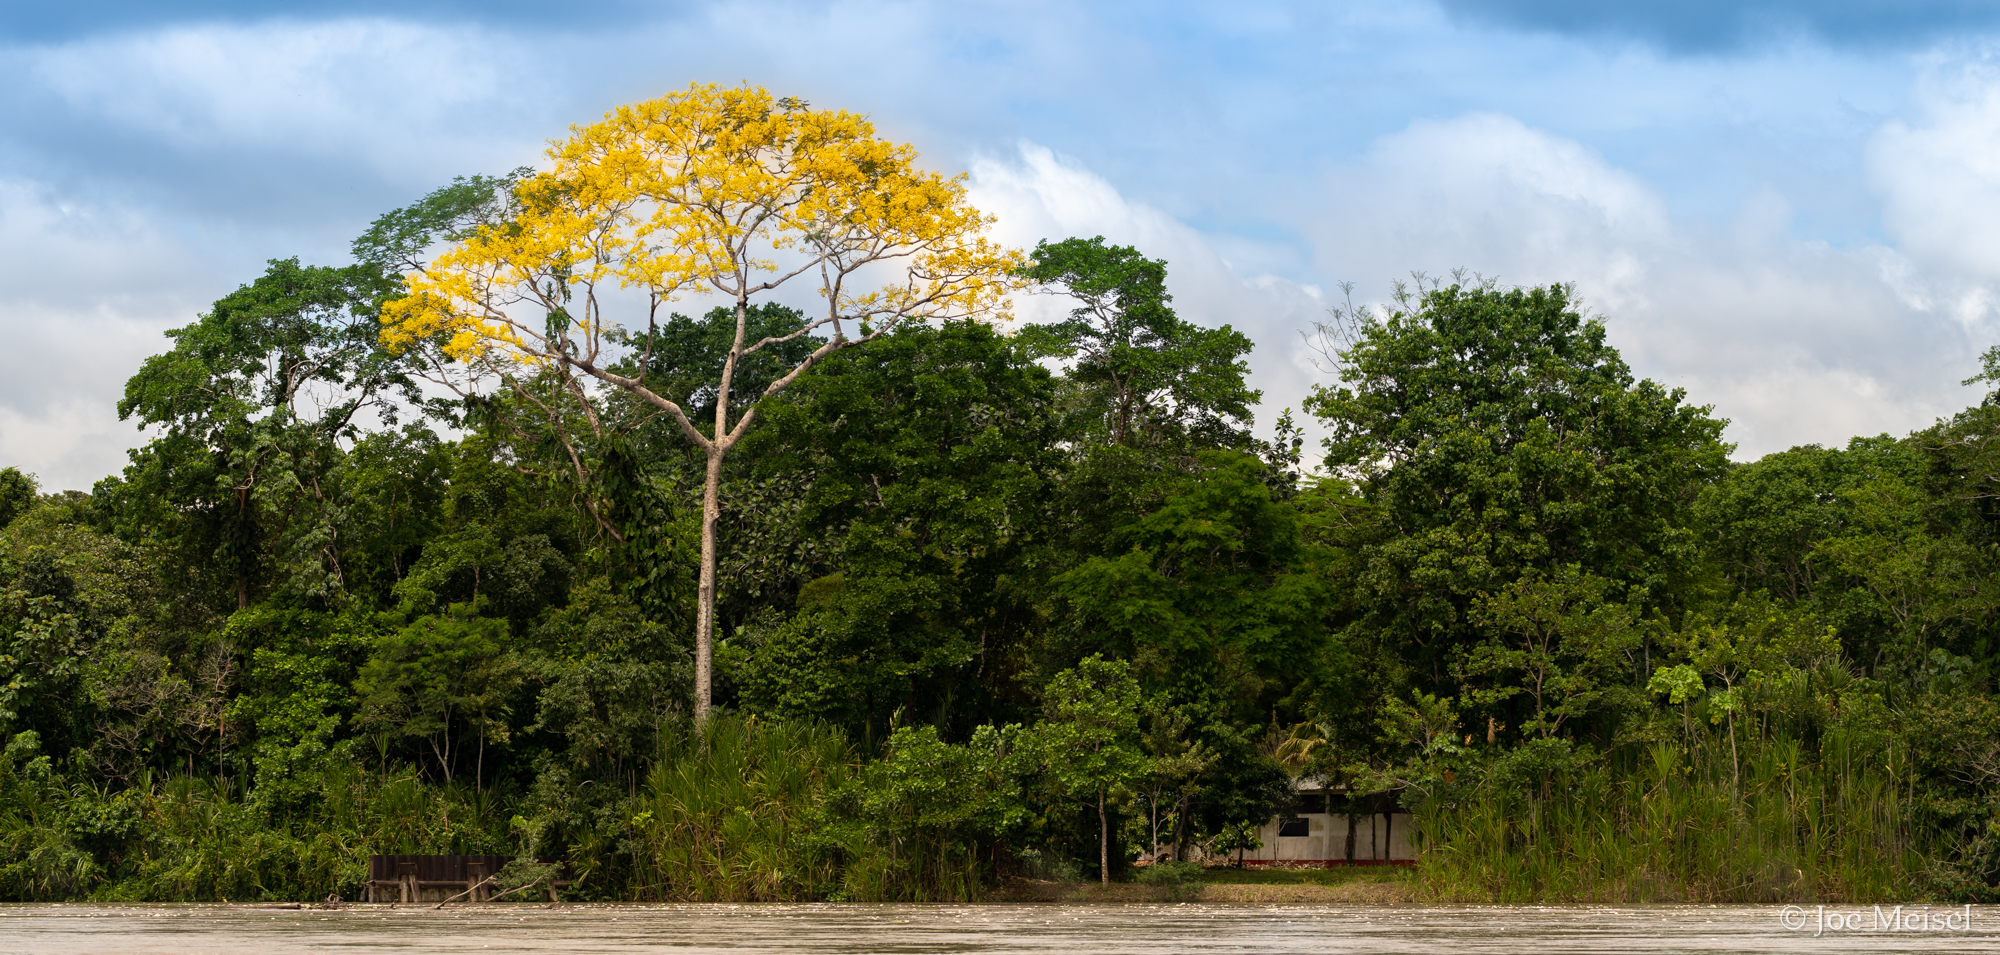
x: 1359, y: 886
x: 1248, y: 886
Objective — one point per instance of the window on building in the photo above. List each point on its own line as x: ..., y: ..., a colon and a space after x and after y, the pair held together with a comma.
x: 1294, y: 827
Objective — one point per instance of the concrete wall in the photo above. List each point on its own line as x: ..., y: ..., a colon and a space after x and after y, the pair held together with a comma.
x: 1328, y: 839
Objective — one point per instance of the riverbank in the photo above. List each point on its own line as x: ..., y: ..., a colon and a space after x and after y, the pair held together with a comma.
x: 823, y: 929
x: 1358, y: 886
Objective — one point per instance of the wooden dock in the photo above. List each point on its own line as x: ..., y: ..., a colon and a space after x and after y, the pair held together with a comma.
x: 398, y: 878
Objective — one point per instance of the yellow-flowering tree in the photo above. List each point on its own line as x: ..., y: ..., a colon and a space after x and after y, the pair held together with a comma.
x: 711, y: 191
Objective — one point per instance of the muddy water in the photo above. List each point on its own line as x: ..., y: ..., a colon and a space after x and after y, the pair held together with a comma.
x: 1059, y: 930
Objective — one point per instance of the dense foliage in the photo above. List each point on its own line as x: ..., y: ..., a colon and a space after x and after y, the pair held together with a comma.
x: 990, y: 605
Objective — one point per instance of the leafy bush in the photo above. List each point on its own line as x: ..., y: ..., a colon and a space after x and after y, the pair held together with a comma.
x: 1182, y: 880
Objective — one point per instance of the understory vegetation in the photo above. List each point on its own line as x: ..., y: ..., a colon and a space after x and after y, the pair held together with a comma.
x: 990, y: 604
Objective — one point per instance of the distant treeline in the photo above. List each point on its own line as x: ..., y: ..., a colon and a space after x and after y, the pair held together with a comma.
x: 991, y: 603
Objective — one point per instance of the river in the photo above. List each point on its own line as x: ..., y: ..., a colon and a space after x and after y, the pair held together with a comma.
x: 904, y: 929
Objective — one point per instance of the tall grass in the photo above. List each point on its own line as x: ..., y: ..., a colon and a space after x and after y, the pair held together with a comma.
x: 729, y: 815
x: 192, y: 838
x: 747, y: 811
x: 785, y: 811
x: 1768, y: 819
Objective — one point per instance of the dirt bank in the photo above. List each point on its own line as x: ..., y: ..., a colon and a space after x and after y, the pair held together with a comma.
x: 1265, y: 887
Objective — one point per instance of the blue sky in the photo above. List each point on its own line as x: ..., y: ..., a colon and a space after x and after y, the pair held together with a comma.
x: 1791, y: 209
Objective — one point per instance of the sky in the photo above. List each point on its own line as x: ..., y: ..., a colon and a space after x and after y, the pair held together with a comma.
x: 1788, y: 208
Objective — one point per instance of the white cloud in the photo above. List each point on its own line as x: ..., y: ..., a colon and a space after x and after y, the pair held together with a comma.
x: 1794, y: 341
x: 1037, y: 194
x: 340, y: 105
x: 378, y: 92
x: 1486, y: 192
x: 1225, y: 124
x: 96, y: 287
x: 1939, y: 179
x: 68, y: 446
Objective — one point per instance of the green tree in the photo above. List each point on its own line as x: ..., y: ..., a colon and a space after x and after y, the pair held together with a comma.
x: 928, y: 804
x: 683, y: 359
x: 1557, y: 644
x: 1762, y: 521
x: 1912, y: 581
x: 706, y: 190
x: 17, y: 494
x: 253, y: 402
x: 393, y: 487
x: 1088, y: 739
x: 608, y: 678
x: 1176, y: 758
x: 1142, y: 374
x: 293, y: 699
x: 1493, y: 434
x: 1210, y: 593
x: 1237, y: 837
x: 400, y: 241
x: 78, y: 608
x: 439, y: 681
x: 1243, y: 786
x: 926, y: 461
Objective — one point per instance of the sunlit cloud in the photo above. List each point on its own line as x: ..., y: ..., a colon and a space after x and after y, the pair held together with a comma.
x: 97, y: 286
x: 374, y: 92
x: 1794, y: 341
x: 1036, y: 195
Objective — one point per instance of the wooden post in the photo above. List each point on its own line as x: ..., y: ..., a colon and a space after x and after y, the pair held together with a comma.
x: 406, y: 874
x: 475, y: 873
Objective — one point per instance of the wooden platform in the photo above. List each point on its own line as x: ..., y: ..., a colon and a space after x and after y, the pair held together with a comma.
x: 402, y: 878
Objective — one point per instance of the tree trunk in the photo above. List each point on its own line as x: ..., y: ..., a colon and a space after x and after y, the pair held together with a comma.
x: 1180, y: 830
x: 1352, y: 824
x: 1103, y: 841
x: 1735, y: 766
x: 1154, y: 805
x: 704, y: 620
